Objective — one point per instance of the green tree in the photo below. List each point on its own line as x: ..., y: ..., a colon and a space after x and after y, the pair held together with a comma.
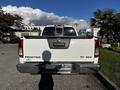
x: 105, y: 20
x: 116, y: 33
x: 7, y: 20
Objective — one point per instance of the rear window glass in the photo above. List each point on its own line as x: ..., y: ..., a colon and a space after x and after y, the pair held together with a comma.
x: 68, y: 31
x: 59, y: 31
x: 49, y: 31
x: 52, y: 31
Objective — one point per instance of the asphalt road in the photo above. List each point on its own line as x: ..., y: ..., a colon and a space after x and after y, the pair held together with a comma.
x: 11, y: 79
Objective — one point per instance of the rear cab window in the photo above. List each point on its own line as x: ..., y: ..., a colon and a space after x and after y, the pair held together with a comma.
x: 48, y: 31
x: 53, y: 31
x: 67, y: 32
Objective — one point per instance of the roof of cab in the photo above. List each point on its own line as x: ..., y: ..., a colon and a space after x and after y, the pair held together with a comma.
x: 58, y: 25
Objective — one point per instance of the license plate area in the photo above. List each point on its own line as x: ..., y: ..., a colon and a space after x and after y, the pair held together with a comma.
x: 59, y: 44
x: 57, y: 67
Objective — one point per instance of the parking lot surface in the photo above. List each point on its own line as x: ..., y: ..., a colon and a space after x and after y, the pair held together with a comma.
x: 11, y: 79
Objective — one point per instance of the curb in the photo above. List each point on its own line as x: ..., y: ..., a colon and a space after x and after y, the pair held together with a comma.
x: 106, y: 82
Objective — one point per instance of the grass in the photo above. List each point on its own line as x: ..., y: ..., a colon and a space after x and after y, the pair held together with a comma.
x: 115, y: 49
x: 110, y: 65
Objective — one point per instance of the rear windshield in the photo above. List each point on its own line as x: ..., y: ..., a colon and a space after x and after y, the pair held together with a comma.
x: 52, y: 31
x: 68, y: 31
x: 48, y: 31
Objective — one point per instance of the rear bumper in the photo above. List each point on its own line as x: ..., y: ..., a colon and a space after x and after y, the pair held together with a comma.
x: 57, y: 68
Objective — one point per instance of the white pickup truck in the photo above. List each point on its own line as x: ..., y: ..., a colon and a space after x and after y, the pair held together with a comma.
x: 59, y: 50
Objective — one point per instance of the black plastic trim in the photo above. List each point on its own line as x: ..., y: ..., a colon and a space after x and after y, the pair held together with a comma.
x: 53, y: 37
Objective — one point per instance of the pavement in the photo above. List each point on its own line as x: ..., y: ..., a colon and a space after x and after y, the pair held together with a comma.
x: 11, y: 79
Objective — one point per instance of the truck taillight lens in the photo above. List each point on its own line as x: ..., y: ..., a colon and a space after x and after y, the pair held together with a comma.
x: 20, y: 49
x: 97, y: 52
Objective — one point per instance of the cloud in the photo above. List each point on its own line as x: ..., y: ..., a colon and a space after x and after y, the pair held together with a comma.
x: 38, y: 17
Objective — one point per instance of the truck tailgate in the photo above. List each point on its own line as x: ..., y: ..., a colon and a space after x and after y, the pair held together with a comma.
x: 78, y: 50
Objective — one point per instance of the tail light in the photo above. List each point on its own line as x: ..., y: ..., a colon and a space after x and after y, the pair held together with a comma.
x: 20, y: 48
x: 96, y: 53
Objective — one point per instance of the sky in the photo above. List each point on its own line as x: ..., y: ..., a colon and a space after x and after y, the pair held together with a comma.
x: 79, y: 9
x: 62, y: 10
